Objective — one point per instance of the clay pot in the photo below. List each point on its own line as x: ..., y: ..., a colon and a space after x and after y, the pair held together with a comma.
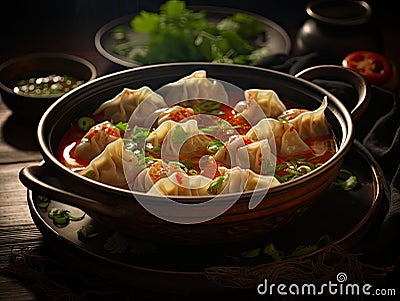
x: 337, y: 27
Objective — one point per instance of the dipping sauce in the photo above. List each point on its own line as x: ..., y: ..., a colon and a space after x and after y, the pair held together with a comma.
x: 46, y: 85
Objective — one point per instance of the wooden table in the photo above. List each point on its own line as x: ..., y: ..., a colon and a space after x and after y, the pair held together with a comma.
x: 18, y: 147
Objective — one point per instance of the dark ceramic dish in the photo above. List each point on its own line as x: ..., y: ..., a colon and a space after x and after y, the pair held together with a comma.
x: 118, y: 209
x: 276, y: 38
x: 37, y: 65
x: 140, y: 264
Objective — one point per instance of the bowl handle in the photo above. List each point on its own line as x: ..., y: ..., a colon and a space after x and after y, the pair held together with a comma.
x: 39, y: 178
x: 340, y: 73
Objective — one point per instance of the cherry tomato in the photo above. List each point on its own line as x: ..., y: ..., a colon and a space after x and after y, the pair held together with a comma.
x: 373, y: 66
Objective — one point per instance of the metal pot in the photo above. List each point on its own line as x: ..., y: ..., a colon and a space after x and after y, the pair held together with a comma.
x: 117, y: 207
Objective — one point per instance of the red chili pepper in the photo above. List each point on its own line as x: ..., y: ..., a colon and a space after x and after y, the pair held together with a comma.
x: 375, y: 67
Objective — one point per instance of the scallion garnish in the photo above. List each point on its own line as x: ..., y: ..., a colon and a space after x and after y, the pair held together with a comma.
x: 217, y: 112
x: 192, y: 172
x: 63, y: 216
x: 179, y: 164
x: 42, y: 201
x: 215, y: 145
x: 87, y: 232
x: 345, y: 180
x: 85, y: 123
x: 122, y: 126
x: 216, y: 185
x: 209, y: 105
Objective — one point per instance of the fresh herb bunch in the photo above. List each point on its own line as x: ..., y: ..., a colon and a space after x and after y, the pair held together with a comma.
x: 179, y: 34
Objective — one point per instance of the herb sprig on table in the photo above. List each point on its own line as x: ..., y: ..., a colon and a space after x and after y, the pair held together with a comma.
x: 177, y: 33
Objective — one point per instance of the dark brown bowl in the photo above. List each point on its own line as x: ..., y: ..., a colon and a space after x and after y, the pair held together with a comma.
x: 118, y: 208
x: 36, y: 65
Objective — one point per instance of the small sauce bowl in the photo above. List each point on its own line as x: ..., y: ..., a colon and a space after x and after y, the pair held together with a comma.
x: 29, y: 84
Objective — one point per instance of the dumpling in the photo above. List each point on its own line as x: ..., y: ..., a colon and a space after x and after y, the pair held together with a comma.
x: 226, y: 155
x: 96, y: 139
x: 146, y: 178
x: 123, y: 105
x: 287, y: 140
x: 179, y: 183
x: 239, y: 179
x: 312, y: 124
x: 257, y: 156
x: 260, y: 104
x: 175, y: 113
x: 194, y: 86
x: 182, y: 138
x: 168, y: 179
x: 156, y: 137
x: 116, y: 165
x: 108, y: 167
x: 243, y: 152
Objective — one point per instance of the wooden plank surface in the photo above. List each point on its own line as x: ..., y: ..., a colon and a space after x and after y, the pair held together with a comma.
x: 17, y: 230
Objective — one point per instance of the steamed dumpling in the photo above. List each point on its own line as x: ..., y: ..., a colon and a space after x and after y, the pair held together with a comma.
x: 181, y: 138
x: 146, y: 178
x: 312, y: 124
x: 96, y: 139
x: 238, y: 179
x: 168, y: 179
x: 194, y: 86
x: 175, y: 113
x: 257, y: 156
x: 115, y: 165
x: 259, y: 104
x: 243, y: 152
x: 157, y: 136
x: 287, y: 140
x: 123, y: 105
x: 227, y: 153
x: 108, y: 167
x: 179, y: 183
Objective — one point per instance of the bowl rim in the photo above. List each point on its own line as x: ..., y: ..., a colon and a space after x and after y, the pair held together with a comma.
x: 345, y: 144
x: 44, y: 55
x: 312, y: 9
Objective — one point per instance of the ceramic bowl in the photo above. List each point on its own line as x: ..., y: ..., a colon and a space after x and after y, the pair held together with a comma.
x: 29, y: 84
x: 119, y: 209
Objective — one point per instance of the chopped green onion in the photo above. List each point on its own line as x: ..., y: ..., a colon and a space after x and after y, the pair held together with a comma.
x: 250, y: 253
x: 62, y: 216
x: 179, y: 164
x: 216, y: 185
x: 307, y: 168
x: 192, y: 172
x: 197, y: 109
x: 209, y: 105
x: 215, y: 145
x: 122, y: 126
x: 324, y: 240
x: 85, y: 123
x: 345, y: 184
x: 270, y: 250
x: 302, y: 250
x: 293, y: 171
x: 155, y: 150
x: 281, y: 166
x: 42, y: 201
x: 217, y: 112
x: 87, y: 232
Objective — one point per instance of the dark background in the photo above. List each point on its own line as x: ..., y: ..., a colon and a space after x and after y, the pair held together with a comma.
x: 70, y: 26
